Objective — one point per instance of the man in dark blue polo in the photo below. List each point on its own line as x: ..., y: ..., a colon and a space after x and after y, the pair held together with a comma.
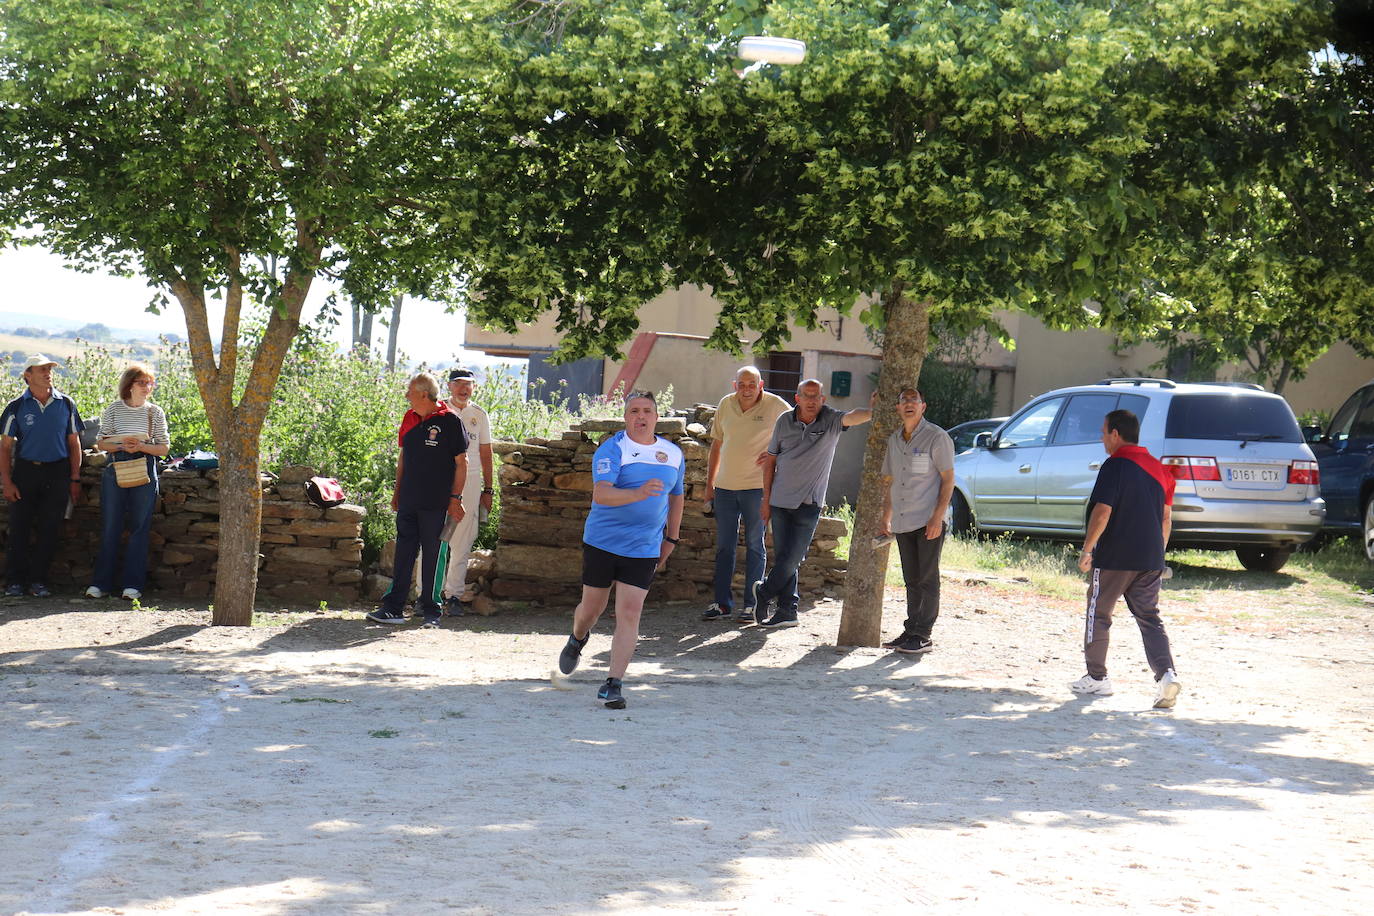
x: 40, y: 472
x: 430, y: 473
x: 1129, y: 517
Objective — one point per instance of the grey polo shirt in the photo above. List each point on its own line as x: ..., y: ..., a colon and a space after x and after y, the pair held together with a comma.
x: 915, y: 466
x: 804, y: 452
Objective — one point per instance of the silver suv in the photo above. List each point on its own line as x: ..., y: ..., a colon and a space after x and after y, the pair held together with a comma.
x: 1246, y: 480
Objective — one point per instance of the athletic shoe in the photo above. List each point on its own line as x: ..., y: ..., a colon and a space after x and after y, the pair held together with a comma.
x: 384, y: 616
x: 131, y: 594
x: 95, y: 592
x: 781, y: 620
x: 14, y: 591
x: 610, y: 692
x: 39, y: 590
x: 914, y: 645
x: 1169, y: 688
x: 571, y: 654
x: 432, y: 621
x: 894, y: 643
x: 454, y: 606
x: 746, y: 616
x: 1091, y: 687
x: 716, y: 612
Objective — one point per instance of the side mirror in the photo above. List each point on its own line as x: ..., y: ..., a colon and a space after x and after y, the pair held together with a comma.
x: 982, y: 440
x: 1312, y: 434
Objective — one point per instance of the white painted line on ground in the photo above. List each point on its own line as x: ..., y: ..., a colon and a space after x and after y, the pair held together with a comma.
x: 91, y: 847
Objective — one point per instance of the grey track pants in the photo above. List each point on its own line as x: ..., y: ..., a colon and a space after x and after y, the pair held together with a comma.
x: 1140, y: 588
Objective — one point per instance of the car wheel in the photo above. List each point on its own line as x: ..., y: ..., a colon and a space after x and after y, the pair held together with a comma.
x: 960, y: 519
x: 1263, y: 559
x: 1368, y: 529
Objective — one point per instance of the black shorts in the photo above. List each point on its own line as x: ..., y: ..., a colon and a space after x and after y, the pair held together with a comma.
x: 601, y: 567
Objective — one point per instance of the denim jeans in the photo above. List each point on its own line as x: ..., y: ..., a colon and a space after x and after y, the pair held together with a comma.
x: 792, y: 531
x: 732, y: 506
x: 121, y: 507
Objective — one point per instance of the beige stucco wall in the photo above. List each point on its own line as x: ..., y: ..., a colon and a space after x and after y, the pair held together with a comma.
x: 698, y: 375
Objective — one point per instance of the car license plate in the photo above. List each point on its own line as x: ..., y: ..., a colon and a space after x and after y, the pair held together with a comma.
x: 1253, y: 475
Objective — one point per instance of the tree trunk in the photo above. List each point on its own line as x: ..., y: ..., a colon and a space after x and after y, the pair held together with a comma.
x: 393, y: 331
x: 240, y: 530
x: 906, y: 333
x: 366, y: 341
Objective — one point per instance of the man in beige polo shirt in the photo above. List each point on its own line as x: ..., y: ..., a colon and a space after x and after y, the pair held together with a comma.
x: 734, y: 484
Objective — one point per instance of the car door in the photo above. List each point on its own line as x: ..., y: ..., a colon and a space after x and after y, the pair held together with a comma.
x: 1069, y: 463
x: 1345, y: 457
x: 1004, y: 488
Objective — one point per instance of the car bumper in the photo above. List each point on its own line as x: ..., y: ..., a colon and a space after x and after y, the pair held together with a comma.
x: 1230, y: 523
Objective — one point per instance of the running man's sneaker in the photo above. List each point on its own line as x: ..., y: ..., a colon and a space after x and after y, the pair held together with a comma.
x: 454, y: 606
x: 572, y: 653
x: 1089, y: 686
x: 780, y: 620
x: 746, y: 615
x: 716, y: 612
x: 1169, y: 688
x: 39, y: 590
x: 384, y: 616
x: 131, y: 594
x: 94, y: 592
x: 610, y: 692
x: 914, y: 645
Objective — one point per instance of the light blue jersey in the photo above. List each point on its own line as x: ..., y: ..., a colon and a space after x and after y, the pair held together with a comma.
x: 635, y: 529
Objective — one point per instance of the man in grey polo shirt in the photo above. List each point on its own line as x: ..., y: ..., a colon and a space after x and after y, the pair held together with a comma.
x: 918, y: 481
x: 796, y: 468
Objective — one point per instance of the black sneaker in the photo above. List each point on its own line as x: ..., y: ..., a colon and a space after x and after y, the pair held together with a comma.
x: 39, y: 590
x: 894, y: 643
x: 384, y: 616
x: 746, y: 616
x: 571, y: 654
x: 432, y: 620
x: 914, y: 645
x: 780, y: 620
x: 610, y: 692
x: 716, y: 612
x: 14, y: 591
x: 760, y: 607
x: 454, y: 607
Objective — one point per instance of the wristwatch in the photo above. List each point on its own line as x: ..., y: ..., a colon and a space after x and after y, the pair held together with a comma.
x: 487, y: 491
x: 670, y: 540
x: 457, y: 496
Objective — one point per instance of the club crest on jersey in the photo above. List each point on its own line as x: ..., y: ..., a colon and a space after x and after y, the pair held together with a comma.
x: 603, y: 466
x: 661, y: 456
x: 433, y: 436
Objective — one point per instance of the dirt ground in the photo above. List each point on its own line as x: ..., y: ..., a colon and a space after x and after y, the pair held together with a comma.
x: 327, y: 765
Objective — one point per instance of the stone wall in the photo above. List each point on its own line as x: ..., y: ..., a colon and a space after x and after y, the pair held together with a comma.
x: 545, y: 495
x: 308, y: 554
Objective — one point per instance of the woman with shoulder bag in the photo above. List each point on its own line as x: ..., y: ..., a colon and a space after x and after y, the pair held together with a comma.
x: 133, y: 430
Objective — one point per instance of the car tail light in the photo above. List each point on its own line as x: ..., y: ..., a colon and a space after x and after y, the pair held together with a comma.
x: 1191, y: 467
x: 1304, y: 472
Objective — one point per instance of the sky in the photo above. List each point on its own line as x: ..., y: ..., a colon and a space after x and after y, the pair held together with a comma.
x: 37, y: 281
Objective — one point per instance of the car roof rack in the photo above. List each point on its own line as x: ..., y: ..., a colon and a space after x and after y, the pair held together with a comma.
x: 1250, y: 385
x: 1161, y: 382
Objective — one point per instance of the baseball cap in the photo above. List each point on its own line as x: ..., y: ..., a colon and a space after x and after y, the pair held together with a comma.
x: 460, y: 372
x: 38, y: 359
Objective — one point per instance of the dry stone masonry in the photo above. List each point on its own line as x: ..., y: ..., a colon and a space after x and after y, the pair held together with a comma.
x: 546, y: 489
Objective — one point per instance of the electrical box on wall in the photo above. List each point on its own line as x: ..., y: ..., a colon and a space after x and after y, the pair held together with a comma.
x: 839, y: 384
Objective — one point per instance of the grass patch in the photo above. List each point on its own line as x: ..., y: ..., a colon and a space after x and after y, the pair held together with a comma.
x: 384, y: 733
x: 313, y: 700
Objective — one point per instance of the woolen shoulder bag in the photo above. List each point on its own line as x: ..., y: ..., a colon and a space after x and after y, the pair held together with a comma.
x: 134, y: 472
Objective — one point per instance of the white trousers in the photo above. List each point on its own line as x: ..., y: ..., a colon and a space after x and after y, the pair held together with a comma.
x: 460, y: 543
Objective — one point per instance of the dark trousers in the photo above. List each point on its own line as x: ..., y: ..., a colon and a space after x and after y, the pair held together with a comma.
x: 1140, y: 588
x: 921, y: 572
x: 792, y: 531
x: 44, y: 491
x: 417, y: 534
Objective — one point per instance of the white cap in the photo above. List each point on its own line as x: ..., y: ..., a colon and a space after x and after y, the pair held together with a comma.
x: 38, y: 359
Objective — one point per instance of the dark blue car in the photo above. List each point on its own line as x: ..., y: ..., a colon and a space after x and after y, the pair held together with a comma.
x: 1345, y: 454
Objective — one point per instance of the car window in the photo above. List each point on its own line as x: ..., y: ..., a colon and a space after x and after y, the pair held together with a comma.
x: 1082, y: 419
x: 1032, y: 427
x: 1231, y: 415
x: 963, y: 437
x: 1363, y: 427
x: 1339, y: 430
x: 1137, y: 404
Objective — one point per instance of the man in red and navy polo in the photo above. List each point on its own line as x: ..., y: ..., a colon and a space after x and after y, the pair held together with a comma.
x: 1129, y: 515
x: 430, y: 473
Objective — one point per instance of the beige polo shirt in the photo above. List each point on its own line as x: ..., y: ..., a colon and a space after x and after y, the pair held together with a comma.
x: 742, y: 437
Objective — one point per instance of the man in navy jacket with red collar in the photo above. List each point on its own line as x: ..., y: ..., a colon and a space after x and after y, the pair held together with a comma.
x: 1129, y: 516
x: 430, y: 474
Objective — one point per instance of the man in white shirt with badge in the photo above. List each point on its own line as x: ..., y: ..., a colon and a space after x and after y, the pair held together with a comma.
x: 918, y: 482
x: 477, y: 489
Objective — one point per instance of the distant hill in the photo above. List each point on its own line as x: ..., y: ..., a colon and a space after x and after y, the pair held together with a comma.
x: 56, y: 323
x: 16, y: 348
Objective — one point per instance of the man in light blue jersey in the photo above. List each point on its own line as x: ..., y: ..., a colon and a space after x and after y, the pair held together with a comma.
x: 629, y: 535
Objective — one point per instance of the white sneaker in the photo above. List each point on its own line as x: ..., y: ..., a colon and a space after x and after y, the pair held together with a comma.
x: 1091, y: 687
x: 1169, y: 689
x: 94, y: 592
x: 131, y: 594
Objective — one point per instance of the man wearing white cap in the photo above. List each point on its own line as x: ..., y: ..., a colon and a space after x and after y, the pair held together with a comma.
x: 477, y: 490
x: 40, y: 473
